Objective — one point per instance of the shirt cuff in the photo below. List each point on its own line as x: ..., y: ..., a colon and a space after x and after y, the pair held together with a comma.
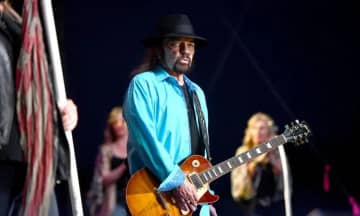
x: 175, y: 179
x: 205, y: 210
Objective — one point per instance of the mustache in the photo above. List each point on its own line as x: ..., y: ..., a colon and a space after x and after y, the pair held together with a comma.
x: 184, y: 57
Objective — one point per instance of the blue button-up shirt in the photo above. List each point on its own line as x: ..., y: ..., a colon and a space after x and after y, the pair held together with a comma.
x: 159, y: 135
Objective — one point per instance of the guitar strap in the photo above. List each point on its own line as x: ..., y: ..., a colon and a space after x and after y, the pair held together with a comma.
x: 202, y: 124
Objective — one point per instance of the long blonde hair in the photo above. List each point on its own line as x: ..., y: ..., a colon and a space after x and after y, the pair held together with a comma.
x: 247, y: 140
x: 112, y: 118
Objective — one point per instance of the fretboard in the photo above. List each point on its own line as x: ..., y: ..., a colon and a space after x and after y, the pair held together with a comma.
x: 227, y: 166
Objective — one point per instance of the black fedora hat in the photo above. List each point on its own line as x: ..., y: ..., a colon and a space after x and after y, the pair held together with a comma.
x: 174, y: 25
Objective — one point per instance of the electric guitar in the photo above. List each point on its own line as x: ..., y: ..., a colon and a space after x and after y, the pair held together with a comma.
x: 143, y: 198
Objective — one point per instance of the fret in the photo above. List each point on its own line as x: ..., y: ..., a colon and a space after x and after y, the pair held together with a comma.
x: 209, y: 174
x: 248, y: 154
x: 220, y: 170
x: 214, y: 172
x: 229, y: 164
x: 225, y: 166
x: 206, y: 178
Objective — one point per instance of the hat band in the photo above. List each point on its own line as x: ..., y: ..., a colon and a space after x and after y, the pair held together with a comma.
x: 182, y: 29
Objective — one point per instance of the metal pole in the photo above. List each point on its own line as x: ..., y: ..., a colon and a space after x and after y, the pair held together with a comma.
x: 287, y: 186
x: 51, y: 36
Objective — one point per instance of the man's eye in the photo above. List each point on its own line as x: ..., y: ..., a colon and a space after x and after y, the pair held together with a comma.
x: 173, y: 43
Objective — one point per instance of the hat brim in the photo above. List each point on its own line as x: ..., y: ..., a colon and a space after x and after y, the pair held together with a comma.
x: 155, y: 40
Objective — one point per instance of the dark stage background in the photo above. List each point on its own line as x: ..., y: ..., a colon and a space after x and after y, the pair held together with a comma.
x: 291, y: 59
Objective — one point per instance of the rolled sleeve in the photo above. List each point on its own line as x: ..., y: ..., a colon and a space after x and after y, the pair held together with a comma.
x: 175, y: 179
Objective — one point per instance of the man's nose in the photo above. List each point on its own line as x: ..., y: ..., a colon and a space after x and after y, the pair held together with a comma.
x: 184, y: 48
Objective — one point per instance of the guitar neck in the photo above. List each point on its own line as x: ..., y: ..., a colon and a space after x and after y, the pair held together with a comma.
x: 227, y: 166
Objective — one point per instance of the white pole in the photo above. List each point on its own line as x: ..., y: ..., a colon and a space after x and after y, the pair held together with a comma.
x: 51, y: 36
x: 287, y: 186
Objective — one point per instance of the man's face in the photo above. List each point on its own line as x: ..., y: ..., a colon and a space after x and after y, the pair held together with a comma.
x: 178, y: 54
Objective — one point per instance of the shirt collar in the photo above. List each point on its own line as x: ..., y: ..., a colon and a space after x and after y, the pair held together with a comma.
x: 161, y: 75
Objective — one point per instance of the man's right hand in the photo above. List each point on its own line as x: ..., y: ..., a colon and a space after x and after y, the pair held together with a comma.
x: 185, y: 197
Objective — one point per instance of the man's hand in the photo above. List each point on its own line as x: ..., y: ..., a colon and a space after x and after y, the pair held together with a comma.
x: 69, y: 115
x: 185, y: 197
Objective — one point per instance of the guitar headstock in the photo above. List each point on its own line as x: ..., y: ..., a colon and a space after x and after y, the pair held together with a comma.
x: 297, y: 132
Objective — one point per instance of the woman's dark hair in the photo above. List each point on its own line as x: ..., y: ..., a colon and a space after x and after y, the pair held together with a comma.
x: 150, y: 60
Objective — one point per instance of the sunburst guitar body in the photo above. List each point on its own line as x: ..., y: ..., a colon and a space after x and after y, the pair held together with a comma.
x: 143, y: 199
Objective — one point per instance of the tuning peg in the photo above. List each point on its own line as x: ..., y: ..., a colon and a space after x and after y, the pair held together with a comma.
x: 297, y: 121
x: 286, y: 126
x: 306, y: 140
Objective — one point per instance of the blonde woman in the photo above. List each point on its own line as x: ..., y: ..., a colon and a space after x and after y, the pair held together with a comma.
x: 257, y: 186
x: 111, y: 170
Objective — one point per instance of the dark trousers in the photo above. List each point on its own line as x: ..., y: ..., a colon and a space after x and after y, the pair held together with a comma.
x: 12, y: 177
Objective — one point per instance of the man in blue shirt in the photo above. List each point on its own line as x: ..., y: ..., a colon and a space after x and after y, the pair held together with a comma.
x: 162, y: 119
